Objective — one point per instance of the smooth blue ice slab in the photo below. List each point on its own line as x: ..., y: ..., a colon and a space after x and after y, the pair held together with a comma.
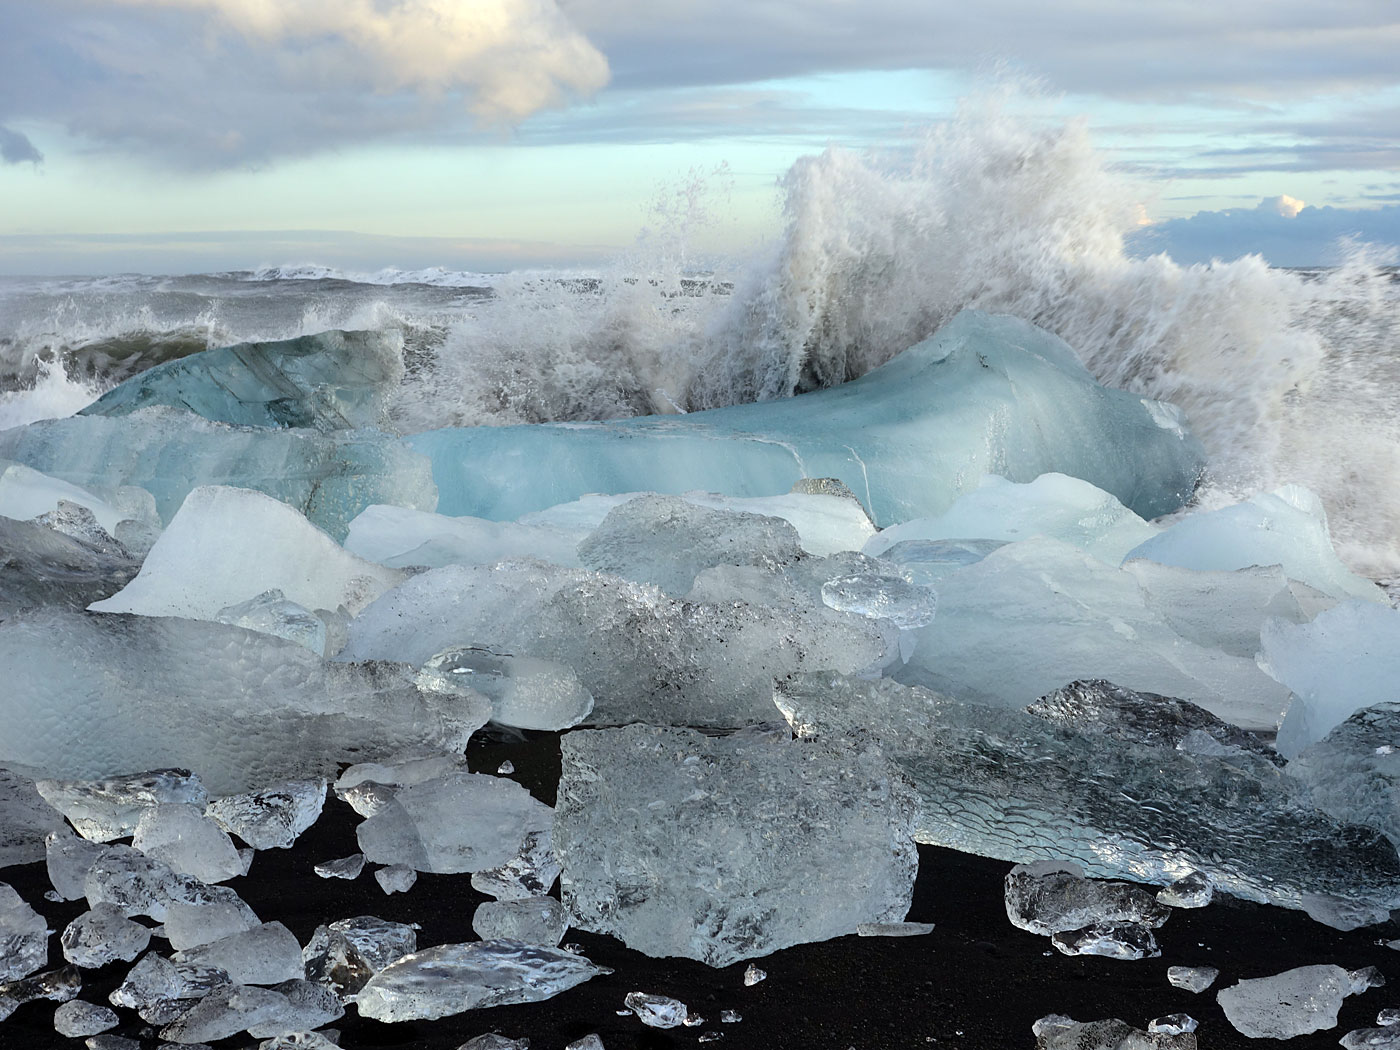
x: 985, y: 395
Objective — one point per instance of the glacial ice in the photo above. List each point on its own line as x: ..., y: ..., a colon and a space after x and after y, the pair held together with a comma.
x: 265, y: 954
x: 92, y: 693
x: 1051, y: 897
x: 1354, y: 771
x: 25, y: 494
x: 986, y: 394
x: 525, y: 692
x: 271, y: 613
x: 1112, y: 940
x: 1371, y: 1039
x: 24, y: 939
x: 1293, y: 1003
x: 657, y: 1011
x: 1172, y: 1024
x: 1192, y: 890
x: 530, y: 873
x: 103, y: 935
x: 58, y: 986
x: 1007, y: 784
x: 26, y: 820
x: 190, y: 924
x: 401, y: 536
x: 76, y: 1019
x: 344, y: 955
x: 396, y: 878
x: 45, y: 567
x: 273, y: 817
x: 68, y: 859
x: 225, y: 1012
x: 534, y: 920
x: 160, y: 990
x: 111, y: 808
x: 727, y: 848
x: 180, y: 835
x: 329, y: 381
x: 342, y: 867
x: 1192, y: 978
x: 1057, y: 1032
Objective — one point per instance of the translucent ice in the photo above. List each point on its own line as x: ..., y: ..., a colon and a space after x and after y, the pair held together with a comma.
x: 103, y: 935
x: 346, y: 954
x: 271, y: 818
x: 26, y: 820
x: 226, y: 1011
x: 342, y: 867
x: 495, y: 1041
x: 1371, y: 1039
x: 592, y: 1041
x: 534, y: 920
x: 657, y: 1011
x: 1354, y: 771
x: 271, y: 613
x: 752, y: 975
x: 727, y: 848
x: 530, y: 873
x: 25, y: 494
x: 44, y: 567
x: 1192, y: 978
x: 58, y: 986
x: 24, y: 938
x: 984, y: 394
x: 1193, y: 890
x: 309, y: 1006
x: 1288, y: 1004
x: 890, y: 929
x: 160, y: 990
x: 452, y: 978
x: 400, y: 537
x: 396, y: 878
x: 184, y: 838
x: 102, y: 810
x: 190, y: 924
x: 906, y: 605
x: 1057, y: 1032
x: 1050, y: 897
x: 1113, y: 940
x: 76, y: 1019
x: 69, y: 859
x: 525, y: 692
x: 1172, y: 1024
x: 266, y: 954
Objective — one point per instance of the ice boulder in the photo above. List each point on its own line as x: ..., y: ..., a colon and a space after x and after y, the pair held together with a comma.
x: 985, y: 395
x: 329, y: 381
x: 731, y: 847
x: 1296, y: 1002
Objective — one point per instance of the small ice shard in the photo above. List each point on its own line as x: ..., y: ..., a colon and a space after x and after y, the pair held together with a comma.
x: 1057, y: 1032
x: 102, y: 810
x: 730, y: 1016
x: 346, y: 954
x: 309, y: 1006
x: 1054, y: 896
x: 1372, y: 1039
x: 1365, y: 978
x: 665, y: 844
x: 928, y: 561
x: 188, y: 925
x: 101, y: 936
x: 752, y: 975
x: 533, y: 920
x: 26, y: 819
x: 76, y: 1019
x: 459, y: 822
x: 180, y: 835
x: 1113, y: 940
x: 226, y: 1011
x: 272, y: 613
x: 1288, y: 1004
x: 592, y: 1041
x: 1192, y: 890
x: 273, y: 817
x: 506, y: 768
x: 327, y: 1040
x: 59, y: 986
x: 710, y: 1037
x: 160, y: 990
x: 452, y: 978
x: 906, y: 605
x: 657, y: 1011
x: 400, y: 537
x: 1172, y: 1024
x: 266, y: 954
x: 893, y: 929
x: 530, y: 873
x: 396, y: 878
x: 142, y: 885
x: 495, y: 1041
x: 1192, y: 978
x: 1387, y: 1017
x: 342, y: 868
x: 525, y: 692
x: 24, y: 937
x: 69, y: 858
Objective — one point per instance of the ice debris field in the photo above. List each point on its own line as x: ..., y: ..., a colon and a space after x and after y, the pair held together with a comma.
x: 779, y: 646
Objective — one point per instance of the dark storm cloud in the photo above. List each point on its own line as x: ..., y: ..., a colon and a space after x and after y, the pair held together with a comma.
x: 16, y: 148
x: 1312, y: 237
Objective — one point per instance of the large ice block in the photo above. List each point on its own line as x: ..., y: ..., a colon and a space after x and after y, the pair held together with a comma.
x: 43, y: 567
x: 1354, y: 771
x: 26, y: 820
x: 168, y: 452
x: 1007, y: 784
x: 985, y: 395
x: 728, y: 848
x: 90, y: 694
x: 329, y: 381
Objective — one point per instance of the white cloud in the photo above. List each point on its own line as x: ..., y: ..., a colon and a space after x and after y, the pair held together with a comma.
x: 1283, y: 205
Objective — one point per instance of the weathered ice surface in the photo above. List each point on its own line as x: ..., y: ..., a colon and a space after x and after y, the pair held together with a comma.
x: 1287, y: 528
x: 39, y: 566
x: 452, y: 978
x: 200, y: 564
x: 103, y: 935
x: 271, y: 613
x: 1346, y: 659
x: 180, y: 835
x: 58, y: 986
x: 328, y: 477
x: 928, y: 561
x: 396, y: 878
x: 346, y: 954
x: 641, y: 655
x: 68, y: 859
x: 26, y: 820
x: 266, y: 954
x: 76, y: 1019
x: 728, y: 848
x: 1112, y: 940
x: 458, y: 822
x: 1193, y: 890
x: 25, y: 494
x: 1354, y: 771
x: 534, y: 920
x: 368, y: 786
x: 110, y: 808
x: 986, y: 394
x: 1053, y: 505
x: 160, y: 990
x: 271, y: 818
x: 400, y: 537
x: 190, y: 924
x: 1057, y: 1032
x: 90, y: 694
x: 24, y: 939
x: 330, y: 381
x: 1050, y: 897
x: 1193, y: 978
x: 1371, y: 1039
x: 530, y: 873
x: 226, y: 1011
x: 1009, y: 785
x: 142, y: 885
x: 1288, y: 1004
x: 525, y: 692
x: 342, y: 867
x: 657, y: 1011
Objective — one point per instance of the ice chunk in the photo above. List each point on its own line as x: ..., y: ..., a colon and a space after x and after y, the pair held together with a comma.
x: 271, y: 613
x: 76, y: 1019
x: 525, y: 692
x: 266, y: 954
x: 271, y: 818
x: 495, y: 1041
x: 906, y: 605
x: 1053, y: 505
x: 1114, y: 940
x: 458, y: 822
x: 1172, y: 1024
x: 889, y: 929
x: 333, y: 380
x: 1288, y: 1004
x: 199, y: 565
x: 68, y: 859
x: 309, y: 1006
x: 26, y: 494
x: 752, y: 975
x: 1057, y: 1032
x: 1192, y: 978
x: 533, y: 920
x: 1371, y: 1039
x: 90, y: 694
x: 1193, y: 890
x: 190, y: 924
x: 671, y: 841
x: 1346, y: 659
x: 1287, y: 528
x: 640, y: 654
x: 1006, y: 784
x: 24, y: 938
x: 328, y: 477
x: 530, y: 873
x: 400, y: 536
x: 103, y: 935
x: 1051, y: 897
x: 227, y: 1011
x: 396, y: 878
x: 180, y: 835
x: 452, y: 978
x: 160, y: 990
x: 44, y: 567
x: 342, y: 868
x: 102, y: 810
x: 346, y: 954
x: 984, y: 394
x: 591, y: 1041
x: 59, y: 986
x: 928, y: 561
x: 1387, y: 1017
x: 657, y: 1011
x: 26, y: 820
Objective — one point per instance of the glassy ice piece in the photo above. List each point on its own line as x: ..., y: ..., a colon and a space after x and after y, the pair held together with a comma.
x: 399, y: 771
x: 452, y: 978
x: 1371, y: 1039
x: 343, y: 868
x: 640, y: 654
x: 1052, y: 896
x: 928, y: 561
x: 160, y: 990
x: 495, y: 1041
x: 271, y: 613
x: 227, y: 1011
x: 180, y: 835
x: 188, y: 925
x: 906, y: 605
x: 347, y: 953
x: 266, y: 954
x: 592, y: 1041
x: 1287, y: 528
x: 1172, y: 1024
x: 893, y: 929
x: 59, y: 985
x: 1288, y: 1004
x: 101, y: 936
x: 44, y: 567
x: 326, y: 1040
x: 730, y: 1016
x: 1193, y: 890
x: 505, y: 768
x: 1387, y: 1017
x: 200, y: 566
x: 657, y: 1011
x: 525, y: 692
x: 396, y: 878
x: 26, y: 821
x: 671, y: 841
x: 112, y: 1042
x: 328, y: 477
x: 69, y: 858
x: 76, y: 1019
x: 1057, y: 1032
x: 400, y: 537
x: 245, y: 709
x: 24, y: 937
x: 271, y: 818
x: 102, y: 810
x: 309, y: 1006
x: 1346, y: 659
x: 77, y: 522
x: 986, y: 393
x: 533, y: 920
x: 1054, y: 505
x: 752, y: 975
x: 1009, y: 785
x: 140, y: 885
x: 1193, y: 978
x: 1364, y: 978
x: 25, y: 494
x: 530, y: 873
x: 1113, y: 940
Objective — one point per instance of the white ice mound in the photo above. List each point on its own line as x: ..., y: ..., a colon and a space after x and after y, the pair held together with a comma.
x: 1346, y: 659
x: 1052, y: 505
x: 1287, y: 528
x: 400, y: 537
x: 26, y: 493
x: 986, y: 394
x: 227, y: 545
x: 729, y: 848
x: 87, y: 695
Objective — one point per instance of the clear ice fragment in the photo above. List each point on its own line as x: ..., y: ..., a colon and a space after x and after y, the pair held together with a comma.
x: 1293, y: 1003
x: 592, y: 1041
x: 396, y: 878
x: 1172, y: 1024
x: 657, y: 1011
x: 1051, y: 897
x: 1372, y: 1039
x: 76, y: 1019
x: 1113, y: 940
x: 309, y: 1006
x: 893, y: 929
x: 1057, y: 1032
x: 1192, y: 978
x: 272, y: 613
x: 906, y: 605
x: 180, y: 835
x: 106, y: 809
x: 327, y: 1040
x: 45, y: 567
x: 341, y: 868
x: 190, y: 924
x: 752, y: 975
x: 533, y: 920
x: 1192, y: 890
x: 273, y: 817
x: 730, y: 1016
x: 26, y: 819
x: 226, y: 1011
x: 58, y: 986
x: 525, y: 692
x: 506, y: 768
x: 69, y: 858
x: 495, y: 1041
x: 530, y: 873
x: 24, y: 937
x: 346, y: 954
x: 1389, y: 1016
x: 101, y: 936
x: 160, y: 990
x: 266, y: 954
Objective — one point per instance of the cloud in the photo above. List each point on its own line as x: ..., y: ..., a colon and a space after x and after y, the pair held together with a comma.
x: 15, y: 148
x: 1283, y: 205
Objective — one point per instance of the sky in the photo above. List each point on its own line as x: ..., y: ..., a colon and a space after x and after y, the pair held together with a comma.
x: 179, y: 135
